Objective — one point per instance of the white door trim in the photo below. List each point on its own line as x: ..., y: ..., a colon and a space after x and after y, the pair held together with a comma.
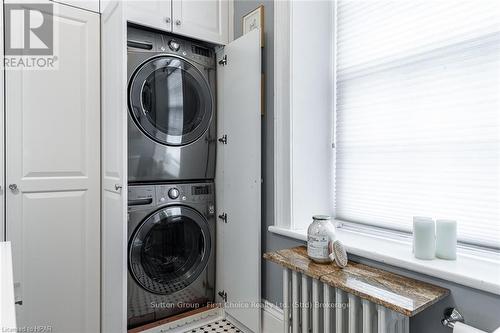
x: 2, y: 132
x: 282, y: 114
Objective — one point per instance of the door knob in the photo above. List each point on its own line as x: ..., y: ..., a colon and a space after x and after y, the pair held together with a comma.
x: 167, y: 20
x: 178, y: 22
x: 13, y: 187
x: 118, y: 187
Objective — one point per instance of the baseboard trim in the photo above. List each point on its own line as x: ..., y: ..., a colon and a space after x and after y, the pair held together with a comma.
x: 272, y: 317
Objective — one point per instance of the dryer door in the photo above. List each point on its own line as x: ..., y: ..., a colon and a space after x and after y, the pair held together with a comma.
x: 169, y: 250
x: 170, y: 100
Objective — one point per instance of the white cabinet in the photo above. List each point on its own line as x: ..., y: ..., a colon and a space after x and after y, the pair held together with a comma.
x: 201, y: 19
x: 114, y: 168
x: 151, y: 13
x: 2, y: 127
x: 206, y: 20
x: 92, y: 5
x: 238, y: 180
x: 53, y: 177
x: 7, y: 304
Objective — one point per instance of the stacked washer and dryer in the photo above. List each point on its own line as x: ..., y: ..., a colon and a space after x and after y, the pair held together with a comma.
x: 171, y: 169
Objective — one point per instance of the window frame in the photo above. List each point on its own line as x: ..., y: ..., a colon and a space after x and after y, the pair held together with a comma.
x: 352, y: 233
x: 288, y: 176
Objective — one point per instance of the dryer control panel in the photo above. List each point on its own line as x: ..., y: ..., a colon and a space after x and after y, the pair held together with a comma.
x: 160, y: 42
x: 189, y: 193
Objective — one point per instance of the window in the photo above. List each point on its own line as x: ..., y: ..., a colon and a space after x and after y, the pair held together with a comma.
x: 417, y: 125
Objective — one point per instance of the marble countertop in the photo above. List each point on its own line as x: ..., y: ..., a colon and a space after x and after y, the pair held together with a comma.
x: 396, y: 292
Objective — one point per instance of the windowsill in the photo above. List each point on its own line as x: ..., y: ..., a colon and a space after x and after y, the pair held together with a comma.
x: 473, y: 268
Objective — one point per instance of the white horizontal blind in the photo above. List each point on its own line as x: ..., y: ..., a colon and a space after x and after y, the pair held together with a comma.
x: 418, y: 114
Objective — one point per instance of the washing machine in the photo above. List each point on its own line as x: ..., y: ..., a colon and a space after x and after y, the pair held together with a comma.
x: 171, y: 250
x: 171, y: 102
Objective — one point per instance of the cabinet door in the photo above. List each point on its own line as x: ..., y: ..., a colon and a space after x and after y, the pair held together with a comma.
x: 238, y: 180
x: 53, y: 172
x: 92, y: 5
x: 202, y: 19
x: 155, y: 14
x: 114, y: 164
x: 2, y: 128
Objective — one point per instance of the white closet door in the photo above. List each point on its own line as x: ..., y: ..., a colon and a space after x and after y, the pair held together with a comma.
x: 114, y: 164
x: 239, y: 178
x: 202, y: 19
x: 2, y: 129
x: 53, y: 170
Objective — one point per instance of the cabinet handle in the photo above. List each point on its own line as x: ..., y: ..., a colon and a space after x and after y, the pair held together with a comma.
x: 13, y: 187
x: 118, y: 187
x: 178, y: 22
x: 167, y: 19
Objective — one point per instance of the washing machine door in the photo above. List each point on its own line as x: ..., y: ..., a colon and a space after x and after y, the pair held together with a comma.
x: 170, y: 100
x: 169, y: 250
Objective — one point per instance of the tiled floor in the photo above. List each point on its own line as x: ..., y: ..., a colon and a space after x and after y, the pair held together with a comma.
x: 219, y: 326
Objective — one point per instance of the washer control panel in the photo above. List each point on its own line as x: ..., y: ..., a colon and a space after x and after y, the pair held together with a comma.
x: 141, y: 196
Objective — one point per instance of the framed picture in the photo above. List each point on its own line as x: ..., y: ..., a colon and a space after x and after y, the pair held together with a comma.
x: 255, y: 20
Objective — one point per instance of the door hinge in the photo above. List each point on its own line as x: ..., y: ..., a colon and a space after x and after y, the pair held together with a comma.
x: 223, y: 295
x: 223, y: 139
x: 223, y: 217
x: 223, y: 61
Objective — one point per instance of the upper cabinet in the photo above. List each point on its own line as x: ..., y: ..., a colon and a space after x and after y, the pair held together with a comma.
x: 206, y: 20
x: 92, y: 5
x: 154, y: 14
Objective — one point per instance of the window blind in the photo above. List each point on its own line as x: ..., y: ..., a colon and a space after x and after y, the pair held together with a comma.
x: 418, y: 114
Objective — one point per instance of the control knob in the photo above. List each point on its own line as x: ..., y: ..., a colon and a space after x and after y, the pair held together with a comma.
x: 174, y: 46
x: 173, y: 193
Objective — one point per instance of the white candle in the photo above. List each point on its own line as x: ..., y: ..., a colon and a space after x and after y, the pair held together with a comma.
x: 416, y: 218
x: 446, y: 239
x: 424, y: 237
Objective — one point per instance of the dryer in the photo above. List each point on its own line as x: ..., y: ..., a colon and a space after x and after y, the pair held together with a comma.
x: 171, y: 102
x: 171, y: 250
